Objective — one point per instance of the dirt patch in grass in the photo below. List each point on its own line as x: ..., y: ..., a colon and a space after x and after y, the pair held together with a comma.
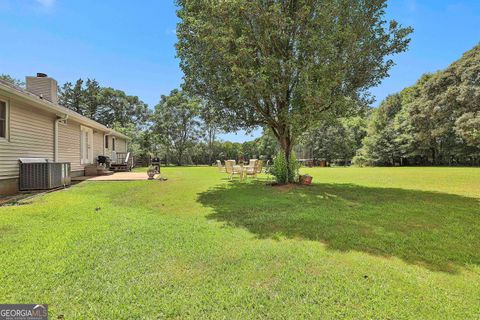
x: 16, y: 199
x: 23, y: 198
x: 286, y: 187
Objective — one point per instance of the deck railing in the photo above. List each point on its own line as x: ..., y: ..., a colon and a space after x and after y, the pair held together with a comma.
x: 125, y: 158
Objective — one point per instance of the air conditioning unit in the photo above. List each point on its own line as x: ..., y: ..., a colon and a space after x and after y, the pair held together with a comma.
x: 39, y: 174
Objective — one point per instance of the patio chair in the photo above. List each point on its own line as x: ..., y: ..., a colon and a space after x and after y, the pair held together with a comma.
x: 231, y: 169
x: 220, y: 167
x: 254, y: 170
x: 259, y: 166
x: 267, y: 167
x: 268, y: 170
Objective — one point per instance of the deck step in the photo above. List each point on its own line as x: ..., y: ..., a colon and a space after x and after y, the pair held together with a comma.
x: 119, y: 167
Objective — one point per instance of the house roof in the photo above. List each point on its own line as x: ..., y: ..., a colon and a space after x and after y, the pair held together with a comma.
x: 55, y: 108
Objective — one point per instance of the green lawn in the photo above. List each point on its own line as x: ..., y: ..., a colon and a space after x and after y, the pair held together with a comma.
x: 366, y: 243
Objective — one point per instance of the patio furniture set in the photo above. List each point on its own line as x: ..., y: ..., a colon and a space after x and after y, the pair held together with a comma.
x: 231, y: 168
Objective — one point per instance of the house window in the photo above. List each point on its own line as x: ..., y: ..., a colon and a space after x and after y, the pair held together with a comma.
x: 113, y: 144
x: 106, y: 142
x: 3, y: 119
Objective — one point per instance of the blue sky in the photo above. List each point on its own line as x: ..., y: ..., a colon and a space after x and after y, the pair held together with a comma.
x: 129, y: 45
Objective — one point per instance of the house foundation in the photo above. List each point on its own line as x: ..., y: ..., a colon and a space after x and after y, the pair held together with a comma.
x: 8, y: 186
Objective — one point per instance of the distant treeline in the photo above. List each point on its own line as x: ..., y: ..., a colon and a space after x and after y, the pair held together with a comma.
x: 434, y: 122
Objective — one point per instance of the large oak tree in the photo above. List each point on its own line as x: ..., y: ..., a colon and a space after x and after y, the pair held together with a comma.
x: 285, y: 64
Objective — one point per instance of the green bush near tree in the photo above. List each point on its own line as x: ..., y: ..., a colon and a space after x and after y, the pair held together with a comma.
x: 285, y: 171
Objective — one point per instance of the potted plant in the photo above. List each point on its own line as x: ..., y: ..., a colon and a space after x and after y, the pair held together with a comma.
x: 305, y: 179
x: 151, y: 172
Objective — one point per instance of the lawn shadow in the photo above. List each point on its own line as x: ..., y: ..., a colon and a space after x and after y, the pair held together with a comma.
x: 435, y: 230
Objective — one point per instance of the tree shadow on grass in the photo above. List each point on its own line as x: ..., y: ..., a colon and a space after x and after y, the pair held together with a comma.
x: 438, y: 231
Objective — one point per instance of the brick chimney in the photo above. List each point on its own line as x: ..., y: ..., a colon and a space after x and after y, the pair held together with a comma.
x: 43, y: 86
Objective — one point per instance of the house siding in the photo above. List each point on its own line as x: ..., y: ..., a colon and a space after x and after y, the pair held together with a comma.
x: 120, y: 146
x: 98, y: 143
x: 108, y: 151
x: 69, y: 145
x: 31, y: 136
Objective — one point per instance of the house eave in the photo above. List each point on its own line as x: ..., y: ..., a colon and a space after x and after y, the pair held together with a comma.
x: 57, y: 109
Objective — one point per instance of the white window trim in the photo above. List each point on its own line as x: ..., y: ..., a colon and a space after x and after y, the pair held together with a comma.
x: 7, y: 121
x: 88, y: 160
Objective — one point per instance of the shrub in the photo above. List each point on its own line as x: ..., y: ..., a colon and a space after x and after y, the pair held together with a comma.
x: 359, y: 161
x: 283, y: 171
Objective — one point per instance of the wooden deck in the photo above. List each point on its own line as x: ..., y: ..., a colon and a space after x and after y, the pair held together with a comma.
x: 123, y: 162
x: 117, y: 176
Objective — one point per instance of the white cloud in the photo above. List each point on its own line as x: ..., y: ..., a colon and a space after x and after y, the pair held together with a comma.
x: 46, y: 3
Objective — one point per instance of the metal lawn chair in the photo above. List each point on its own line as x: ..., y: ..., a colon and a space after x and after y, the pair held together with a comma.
x: 231, y: 169
x: 220, y: 167
x: 255, y: 169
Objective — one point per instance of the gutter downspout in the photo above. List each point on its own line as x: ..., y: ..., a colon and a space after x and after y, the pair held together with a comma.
x: 62, y: 118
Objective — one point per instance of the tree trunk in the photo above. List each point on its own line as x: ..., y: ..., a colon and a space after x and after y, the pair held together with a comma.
x: 179, y: 160
x: 287, y: 146
x: 211, y: 141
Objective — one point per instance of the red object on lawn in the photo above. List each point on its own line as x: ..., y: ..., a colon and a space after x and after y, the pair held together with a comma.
x: 307, y: 179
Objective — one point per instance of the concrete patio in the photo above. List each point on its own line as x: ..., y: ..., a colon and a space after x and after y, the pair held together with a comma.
x: 118, y: 176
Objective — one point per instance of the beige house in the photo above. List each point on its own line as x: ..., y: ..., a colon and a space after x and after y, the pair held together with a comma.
x: 34, y: 125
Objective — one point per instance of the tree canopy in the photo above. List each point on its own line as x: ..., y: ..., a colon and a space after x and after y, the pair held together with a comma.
x: 435, y: 121
x: 335, y: 141
x: 285, y: 65
x: 114, y: 109
x: 176, y: 122
x: 12, y: 80
x: 108, y: 106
